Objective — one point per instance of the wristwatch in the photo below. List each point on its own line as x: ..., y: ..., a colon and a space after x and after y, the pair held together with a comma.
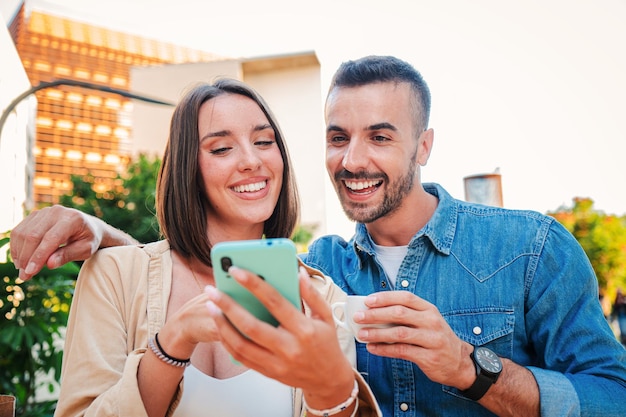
x: 488, y: 369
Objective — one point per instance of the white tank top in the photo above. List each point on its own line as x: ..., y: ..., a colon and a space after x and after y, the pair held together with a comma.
x: 247, y: 394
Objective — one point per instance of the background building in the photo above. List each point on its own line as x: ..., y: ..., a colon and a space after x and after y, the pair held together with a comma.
x: 16, y: 136
x: 79, y: 130
x: 82, y: 129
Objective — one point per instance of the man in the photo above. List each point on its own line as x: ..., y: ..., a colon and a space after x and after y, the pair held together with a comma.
x: 495, y: 311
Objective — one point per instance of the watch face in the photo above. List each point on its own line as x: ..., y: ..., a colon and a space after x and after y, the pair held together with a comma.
x: 487, y: 360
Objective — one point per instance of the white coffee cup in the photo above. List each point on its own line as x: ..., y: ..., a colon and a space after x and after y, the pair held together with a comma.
x: 352, y: 304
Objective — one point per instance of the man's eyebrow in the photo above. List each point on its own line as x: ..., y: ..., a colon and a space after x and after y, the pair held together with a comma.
x: 383, y: 126
x: 334, y: 128
x: 374, y: 127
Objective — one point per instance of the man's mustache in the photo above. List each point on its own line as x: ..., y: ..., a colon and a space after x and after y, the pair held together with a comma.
x: 359, y: 176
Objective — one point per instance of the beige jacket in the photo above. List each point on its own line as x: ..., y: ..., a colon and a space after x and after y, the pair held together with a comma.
x: 121, y: 300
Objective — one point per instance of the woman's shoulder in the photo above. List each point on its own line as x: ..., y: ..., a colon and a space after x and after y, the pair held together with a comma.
x: 124, y: 264
x: 131, y: 252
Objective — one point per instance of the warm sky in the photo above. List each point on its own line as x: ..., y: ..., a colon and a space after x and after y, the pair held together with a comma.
x: 534, y: 87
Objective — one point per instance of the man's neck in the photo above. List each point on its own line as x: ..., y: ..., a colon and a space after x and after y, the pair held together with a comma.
x: 399, y: 227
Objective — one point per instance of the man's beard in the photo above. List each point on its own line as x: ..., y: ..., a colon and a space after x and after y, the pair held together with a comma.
x: 392, y: 199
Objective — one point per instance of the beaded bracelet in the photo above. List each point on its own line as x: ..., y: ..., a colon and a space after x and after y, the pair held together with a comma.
x: 161, y: 354
x: 338, y: 408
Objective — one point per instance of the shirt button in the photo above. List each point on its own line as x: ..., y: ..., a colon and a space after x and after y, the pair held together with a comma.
x: 404, y: 283
x: 404, y: 406
x: 477, y: 330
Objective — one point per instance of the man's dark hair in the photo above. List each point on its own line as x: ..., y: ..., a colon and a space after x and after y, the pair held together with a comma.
x: 379, y: 69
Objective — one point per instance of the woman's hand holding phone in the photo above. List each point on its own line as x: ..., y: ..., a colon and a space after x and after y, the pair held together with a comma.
x: 302, y: 351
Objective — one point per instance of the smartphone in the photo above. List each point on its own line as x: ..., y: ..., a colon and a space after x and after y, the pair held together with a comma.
x: 274, y: 260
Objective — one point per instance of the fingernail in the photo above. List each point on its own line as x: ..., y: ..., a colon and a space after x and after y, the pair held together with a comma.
x: 213, y: 310
x: 22, y: 275
x: 55, y: 261
x: 212, y: 292
x: 358, y: 316
x: 235, y: 272
x: 30, y: 268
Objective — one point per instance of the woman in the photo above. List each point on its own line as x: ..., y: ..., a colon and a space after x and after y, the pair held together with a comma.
x: 225, y: 175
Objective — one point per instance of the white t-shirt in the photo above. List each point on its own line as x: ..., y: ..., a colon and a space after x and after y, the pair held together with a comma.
x: 391, y: 258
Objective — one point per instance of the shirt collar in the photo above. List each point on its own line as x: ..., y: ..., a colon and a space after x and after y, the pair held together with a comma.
x: 440, y: 229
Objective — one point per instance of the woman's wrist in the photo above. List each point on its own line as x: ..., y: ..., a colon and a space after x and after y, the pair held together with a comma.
x: 350, y: 403
x: 160, y: 353
x: 172, y: 341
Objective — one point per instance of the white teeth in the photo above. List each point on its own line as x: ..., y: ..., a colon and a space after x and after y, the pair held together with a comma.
x: 248, y: 188
x: 359, y: 185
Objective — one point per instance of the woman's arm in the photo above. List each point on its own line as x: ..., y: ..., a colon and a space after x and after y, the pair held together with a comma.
x: 106, y: 338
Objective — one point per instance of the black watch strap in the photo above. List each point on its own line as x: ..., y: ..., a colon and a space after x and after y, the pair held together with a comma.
x: 479, y: 387
x: 488, y: 368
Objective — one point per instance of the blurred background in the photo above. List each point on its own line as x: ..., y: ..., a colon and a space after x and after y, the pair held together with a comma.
x: 535, y: 89
x: 528, y: 108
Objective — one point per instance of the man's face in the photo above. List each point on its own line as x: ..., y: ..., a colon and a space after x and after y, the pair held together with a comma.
x: 372, y: 148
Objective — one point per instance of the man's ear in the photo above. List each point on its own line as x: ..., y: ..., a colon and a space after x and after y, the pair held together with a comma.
x: 425, y: 146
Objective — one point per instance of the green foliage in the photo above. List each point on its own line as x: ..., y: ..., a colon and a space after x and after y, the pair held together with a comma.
x: 32, y: 316
x: 603, y: 237
x: 303, y: 234
x: 129, y: 206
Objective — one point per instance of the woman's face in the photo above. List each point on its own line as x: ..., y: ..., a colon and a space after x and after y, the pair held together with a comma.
x: 240, y: 162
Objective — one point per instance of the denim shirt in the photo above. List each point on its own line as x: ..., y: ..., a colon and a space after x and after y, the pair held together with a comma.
x: 516, y: 282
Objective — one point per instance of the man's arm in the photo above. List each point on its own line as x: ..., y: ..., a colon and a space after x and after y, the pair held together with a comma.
x: 424, y: 338
x: 56, y: 235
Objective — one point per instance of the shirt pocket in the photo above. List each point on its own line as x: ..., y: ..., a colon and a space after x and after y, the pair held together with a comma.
x: 491, y: 327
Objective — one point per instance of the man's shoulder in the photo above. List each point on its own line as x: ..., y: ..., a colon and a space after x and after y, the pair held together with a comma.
x: 328, y: 244
x: 472, y: 212
x: 330, y: 253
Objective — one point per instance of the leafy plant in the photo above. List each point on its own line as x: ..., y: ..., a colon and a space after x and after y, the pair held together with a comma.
x: 302, y: 236
x: 129, y: 204
x: 33, y: 315
x: 603, y: 238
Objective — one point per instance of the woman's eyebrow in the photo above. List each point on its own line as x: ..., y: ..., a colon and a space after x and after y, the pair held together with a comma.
x: 219, y: 133
x: 263, y: 126
x: 224, y: 133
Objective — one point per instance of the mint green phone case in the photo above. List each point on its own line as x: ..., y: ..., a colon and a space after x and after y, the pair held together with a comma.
x: 275, y: 260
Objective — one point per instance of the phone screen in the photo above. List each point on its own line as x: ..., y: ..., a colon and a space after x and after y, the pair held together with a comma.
x: 274, y: 260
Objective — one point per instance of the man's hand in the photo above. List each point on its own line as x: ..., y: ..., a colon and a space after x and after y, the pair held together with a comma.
x: 420, y: 335
x: 56, y: 235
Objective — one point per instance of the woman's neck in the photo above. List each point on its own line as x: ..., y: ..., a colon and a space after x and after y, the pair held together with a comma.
x: 224, y: 234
